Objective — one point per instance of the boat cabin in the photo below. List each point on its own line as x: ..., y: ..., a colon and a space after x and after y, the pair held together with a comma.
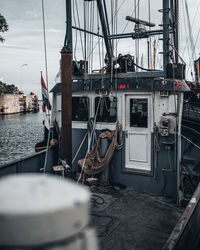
x: 149, y: 111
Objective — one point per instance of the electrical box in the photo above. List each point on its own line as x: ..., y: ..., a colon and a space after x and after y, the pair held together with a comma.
x: 164, y: 127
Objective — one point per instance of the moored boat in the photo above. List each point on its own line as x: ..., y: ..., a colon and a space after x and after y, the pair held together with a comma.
x: 125, y: 124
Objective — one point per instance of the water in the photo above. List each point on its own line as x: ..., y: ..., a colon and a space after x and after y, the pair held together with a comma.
x: 18, y: 135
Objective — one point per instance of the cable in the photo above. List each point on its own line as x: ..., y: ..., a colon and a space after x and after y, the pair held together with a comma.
x: 79, y: 27
x: 79, y: 147
x: 195, y: 131
x: 45, y: 45
x: 73, y: 7
x: 194, y: 144
x: 89, y: 144
x: 143, y: 68
x: 109, y: 23
x: 97, y: 200
x: 105, y: 227
x: 177, y: 53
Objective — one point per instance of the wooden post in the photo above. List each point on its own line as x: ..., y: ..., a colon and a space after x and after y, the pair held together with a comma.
x: 66, y: 80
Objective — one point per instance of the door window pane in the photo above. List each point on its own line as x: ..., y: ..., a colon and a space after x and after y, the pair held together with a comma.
x: 107, y: 109
x: 139, y: 113
x: 80, y: 108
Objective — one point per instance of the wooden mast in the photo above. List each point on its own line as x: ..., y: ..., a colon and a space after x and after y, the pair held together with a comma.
x: 66, y: 80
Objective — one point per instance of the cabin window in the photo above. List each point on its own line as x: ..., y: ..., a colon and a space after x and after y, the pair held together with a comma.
x: 107, y: 109
x: 139, y: 113
x: 80, y: 108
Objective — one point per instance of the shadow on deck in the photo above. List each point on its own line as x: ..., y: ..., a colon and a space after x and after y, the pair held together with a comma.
x: 128, y: 219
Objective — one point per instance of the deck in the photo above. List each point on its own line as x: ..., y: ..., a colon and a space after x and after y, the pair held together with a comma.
x: 128, y: 219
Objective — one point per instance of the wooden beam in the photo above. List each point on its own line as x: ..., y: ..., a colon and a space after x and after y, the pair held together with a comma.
x: 66, y: 80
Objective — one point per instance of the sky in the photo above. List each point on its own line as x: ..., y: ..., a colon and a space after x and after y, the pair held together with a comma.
x: 24, y: 42
x: 22, y: 54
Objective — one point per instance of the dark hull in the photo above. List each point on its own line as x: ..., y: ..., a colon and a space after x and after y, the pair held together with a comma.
x: 144, y: 220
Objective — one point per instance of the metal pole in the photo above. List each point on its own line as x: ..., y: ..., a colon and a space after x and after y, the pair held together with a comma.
x: 105, y: 32
x: 180, y: 99
x: 68, y: 36
x: 166, y: 10
x: 45, y: 46
x: 176, y: 29
x: 148, y: 54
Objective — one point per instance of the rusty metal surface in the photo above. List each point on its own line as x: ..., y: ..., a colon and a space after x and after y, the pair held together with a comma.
x: 186, y: 232
x: 66, y: 79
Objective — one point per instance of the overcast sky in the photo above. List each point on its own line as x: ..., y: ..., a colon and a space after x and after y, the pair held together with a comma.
x: 24, y: 40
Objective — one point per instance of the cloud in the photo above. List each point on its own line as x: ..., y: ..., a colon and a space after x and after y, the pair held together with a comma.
x: 24, y: 40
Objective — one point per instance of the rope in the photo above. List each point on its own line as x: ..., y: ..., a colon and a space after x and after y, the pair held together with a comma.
x: 85, y: 37
x: 79, y: 27
x: 197, y: 10
x: 193, y: 130
x: 191, y: 39
x: 177, y: 53
x: 194, y: 144
x: 98, y: 42
x: 93, y: 163
x: 79, y: 147
x: 75, y: 46
x: 89, y: 144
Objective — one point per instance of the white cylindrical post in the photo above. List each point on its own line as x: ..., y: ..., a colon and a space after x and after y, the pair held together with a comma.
x: 39, y: 211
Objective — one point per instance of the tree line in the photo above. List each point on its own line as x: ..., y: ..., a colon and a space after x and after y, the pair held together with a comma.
x: 3, y: 26
x: 8, y: 88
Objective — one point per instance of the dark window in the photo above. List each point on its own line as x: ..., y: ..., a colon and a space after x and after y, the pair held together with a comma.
x: 107, y: 109
x: 139, y: 113
x: 80, y: 108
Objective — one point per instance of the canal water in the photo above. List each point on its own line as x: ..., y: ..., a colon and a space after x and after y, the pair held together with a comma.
x: 18, y: 135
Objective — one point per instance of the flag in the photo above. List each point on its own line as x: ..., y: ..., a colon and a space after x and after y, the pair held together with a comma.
x: 45, y: 94
x: 57, y: 79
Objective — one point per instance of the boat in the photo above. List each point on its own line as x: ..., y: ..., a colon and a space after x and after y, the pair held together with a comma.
x: 119, y: 129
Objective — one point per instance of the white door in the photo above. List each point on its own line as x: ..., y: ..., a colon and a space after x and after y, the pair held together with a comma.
x: 138, y: 132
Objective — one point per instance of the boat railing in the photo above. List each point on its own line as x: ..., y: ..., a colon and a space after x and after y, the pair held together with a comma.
x: 186, y: 232
x: 31, y: 164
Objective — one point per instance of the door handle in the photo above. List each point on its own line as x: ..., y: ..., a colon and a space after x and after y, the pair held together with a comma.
x: 126, y: 133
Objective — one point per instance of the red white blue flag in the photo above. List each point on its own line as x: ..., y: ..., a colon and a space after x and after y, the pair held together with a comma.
x: 45, y: 94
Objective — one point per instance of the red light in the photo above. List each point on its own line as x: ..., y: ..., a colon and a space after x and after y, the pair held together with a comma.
x: 179, y: 85
x: 122, y: 86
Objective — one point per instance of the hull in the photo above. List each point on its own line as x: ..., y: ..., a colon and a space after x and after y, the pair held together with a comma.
x: 146, y: 220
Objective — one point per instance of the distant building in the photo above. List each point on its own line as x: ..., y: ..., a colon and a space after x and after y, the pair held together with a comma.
x: 18, y: 103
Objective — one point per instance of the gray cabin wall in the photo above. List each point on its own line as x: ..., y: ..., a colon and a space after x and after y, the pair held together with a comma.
x: 161, y: 179
x: 162, y: 176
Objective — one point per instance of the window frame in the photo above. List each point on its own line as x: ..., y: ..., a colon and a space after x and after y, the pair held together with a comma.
x: 104, y: 122
x: 89, y: 107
